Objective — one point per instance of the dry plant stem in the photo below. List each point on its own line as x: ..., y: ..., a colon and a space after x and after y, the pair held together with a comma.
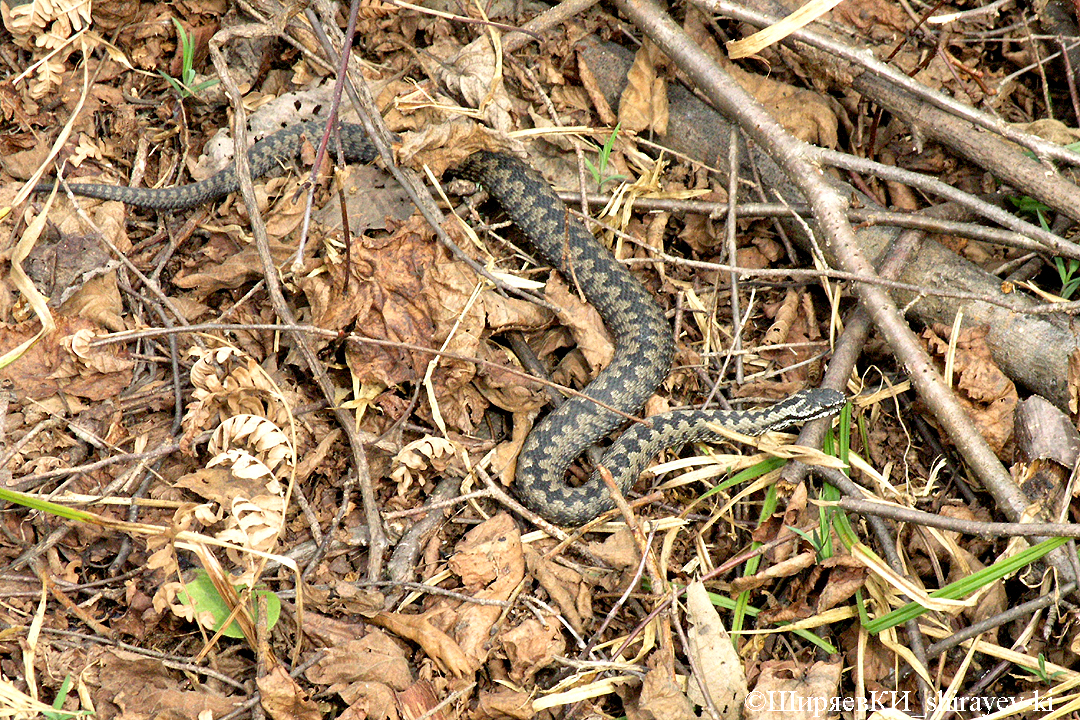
x: 322, y: 544
x: 324, y: 144
x: 174, y: 662
x: 733, y: 255
x: 273, y: 286
x: 402, y: 564
x: 863, y: 506
x: 623, y: 598
x: 38, y: 549
x: 1014, y: 613
x: 504, y: 498
x: 71, y: 607
x: 914, y: 221
x: 921, y: 290
x: 696, y: 670
x: 436, y: 590
x: 544, y: 21
x: 30, y: 482
x: 798, y: 161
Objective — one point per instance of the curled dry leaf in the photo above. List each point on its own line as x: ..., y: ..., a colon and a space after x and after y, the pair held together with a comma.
x: 243, y: 464
x: 562, y: 584
x: 590, y: 334
x: 262, y: 438
x: 505, y: 703
x: 662, y: 697
x: 428, y: 452
x: 846, y: 575
x: 255, y: 523
x: 282, y: 697
x: 53, y: 362
x: 227, y: 383
x: 220, y: 485
x: 989, y: 397
x: 438, y: 646
x: 785, y: 568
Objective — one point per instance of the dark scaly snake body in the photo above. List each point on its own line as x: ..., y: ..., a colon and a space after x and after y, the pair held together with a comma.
x: 643, y: 342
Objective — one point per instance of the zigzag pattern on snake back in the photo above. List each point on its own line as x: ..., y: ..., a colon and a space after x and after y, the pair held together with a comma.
x: 643, y: 342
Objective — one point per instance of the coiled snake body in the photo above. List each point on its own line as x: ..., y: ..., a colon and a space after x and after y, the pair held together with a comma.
x: 644, y: 346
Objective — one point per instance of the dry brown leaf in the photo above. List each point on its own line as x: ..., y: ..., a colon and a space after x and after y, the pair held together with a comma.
x: 596, y: 94
x: 62, y: 359
x: 842, y: 584
x: 784, y: 319
x: 508, y: 390
x: 644, y: 103
x: 561, y: 583
x: 488, y: 553
x: 619, y: 550
x: 787, y: 568
x: 590, y: 334
x: 374, y: 657
x: 420, y: 700
x: 490, y: 564
x: 989, y: 397
x: 98, y: 300
x: 219, y: 485
x: 438, y: 646
x: 477, y: 76
x: 803, y: 113
x: 721, y: 669
x: 233, y: 272
x: 368, y: 701
x: 661, y: 697
x: 131, y: 683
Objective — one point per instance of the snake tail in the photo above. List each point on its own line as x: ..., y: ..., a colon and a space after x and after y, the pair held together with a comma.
x: 264, y: 155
